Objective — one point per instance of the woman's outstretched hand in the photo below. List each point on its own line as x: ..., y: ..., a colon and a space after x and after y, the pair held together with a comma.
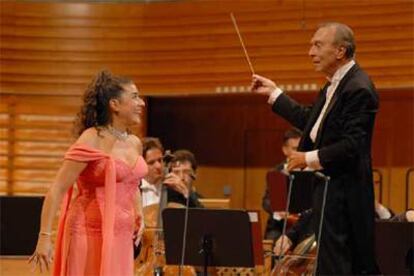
x: 43, y: 256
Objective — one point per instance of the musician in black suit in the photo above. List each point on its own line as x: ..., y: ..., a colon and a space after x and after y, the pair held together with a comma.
x: 337, y: 131
x: 184, y: 166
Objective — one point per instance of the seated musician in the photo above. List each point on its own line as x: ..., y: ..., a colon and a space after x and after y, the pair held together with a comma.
x: 150, y: 186
x: 153, y: 153
x: 178, y: 179
x: 183, y: 166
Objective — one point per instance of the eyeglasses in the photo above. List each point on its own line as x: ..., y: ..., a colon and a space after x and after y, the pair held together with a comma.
x: 152, y: 162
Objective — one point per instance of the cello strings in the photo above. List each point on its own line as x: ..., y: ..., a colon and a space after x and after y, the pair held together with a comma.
x: 242, y: 43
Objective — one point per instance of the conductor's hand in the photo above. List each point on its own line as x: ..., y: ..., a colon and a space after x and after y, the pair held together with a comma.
x: 296, y: 160
x: 262, y: 85
x: 282, y: 245
x: 176, y: 183
x: 42, y: 257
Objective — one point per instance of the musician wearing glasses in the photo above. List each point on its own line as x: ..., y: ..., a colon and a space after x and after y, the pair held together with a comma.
x: 178, y: 175
x: 183, y: 166
x: 167, y: 184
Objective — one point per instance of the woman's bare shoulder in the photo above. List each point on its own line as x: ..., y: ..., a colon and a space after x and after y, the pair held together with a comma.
x: 90, y: 137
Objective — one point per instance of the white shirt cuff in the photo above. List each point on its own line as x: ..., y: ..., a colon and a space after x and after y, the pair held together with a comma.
x: 312, y: 160
x: 274, y: 95
x: 276, y: 216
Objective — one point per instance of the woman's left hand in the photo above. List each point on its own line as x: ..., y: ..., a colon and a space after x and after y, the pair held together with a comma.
x: 139, y: 230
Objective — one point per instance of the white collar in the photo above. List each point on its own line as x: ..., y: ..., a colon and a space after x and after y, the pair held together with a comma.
x: 145, y: 185
x: 341, y: 72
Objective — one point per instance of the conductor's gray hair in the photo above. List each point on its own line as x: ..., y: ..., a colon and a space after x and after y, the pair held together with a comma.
x: 344, y: 36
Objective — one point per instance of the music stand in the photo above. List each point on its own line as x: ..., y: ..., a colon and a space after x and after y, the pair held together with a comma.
x: 19, y: 224
x: 215, y: 237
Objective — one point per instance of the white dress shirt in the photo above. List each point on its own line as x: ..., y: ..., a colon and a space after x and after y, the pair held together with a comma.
x: 150, y: 193
x: 312, y: 158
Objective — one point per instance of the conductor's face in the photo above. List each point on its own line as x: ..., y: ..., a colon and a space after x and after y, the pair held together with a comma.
x: 324, y: 52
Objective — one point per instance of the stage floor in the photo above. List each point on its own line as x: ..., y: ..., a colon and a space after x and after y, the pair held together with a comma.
x: 17, y: 266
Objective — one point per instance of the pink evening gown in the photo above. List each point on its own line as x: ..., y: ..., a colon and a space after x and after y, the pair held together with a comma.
x: 96, y: 228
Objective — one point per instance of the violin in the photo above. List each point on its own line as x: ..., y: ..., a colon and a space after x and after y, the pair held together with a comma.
x: 299, y: 262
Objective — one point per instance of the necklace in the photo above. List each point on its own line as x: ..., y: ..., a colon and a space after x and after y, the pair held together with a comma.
x: 120, y: 135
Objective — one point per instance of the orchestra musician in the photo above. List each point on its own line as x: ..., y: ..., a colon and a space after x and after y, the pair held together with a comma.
x: 167, y: 184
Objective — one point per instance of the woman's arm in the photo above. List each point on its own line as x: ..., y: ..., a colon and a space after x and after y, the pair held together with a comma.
x: 65, y: 178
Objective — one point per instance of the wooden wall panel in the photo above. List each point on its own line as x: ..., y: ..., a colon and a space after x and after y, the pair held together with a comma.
x: 212, y: 181
x: 191, y: 47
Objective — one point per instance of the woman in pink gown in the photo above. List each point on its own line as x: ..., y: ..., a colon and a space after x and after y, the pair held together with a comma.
x: 96, y: 227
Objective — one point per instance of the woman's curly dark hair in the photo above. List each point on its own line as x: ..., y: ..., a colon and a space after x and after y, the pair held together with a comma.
x: 95, y: 110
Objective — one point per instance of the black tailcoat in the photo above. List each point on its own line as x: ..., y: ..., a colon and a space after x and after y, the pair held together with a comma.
x: 344, y: 144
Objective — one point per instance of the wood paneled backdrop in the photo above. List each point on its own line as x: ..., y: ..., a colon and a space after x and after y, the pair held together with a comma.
x: 191, y: 46
x: 49, y: 51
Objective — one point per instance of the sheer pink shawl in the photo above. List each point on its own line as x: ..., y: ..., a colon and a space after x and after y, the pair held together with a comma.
x: 83, y: 153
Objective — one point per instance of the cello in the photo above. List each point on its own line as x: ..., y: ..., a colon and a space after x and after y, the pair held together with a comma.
x: 151, y: 260
x: 150, y: 257
x: 301, y: 261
